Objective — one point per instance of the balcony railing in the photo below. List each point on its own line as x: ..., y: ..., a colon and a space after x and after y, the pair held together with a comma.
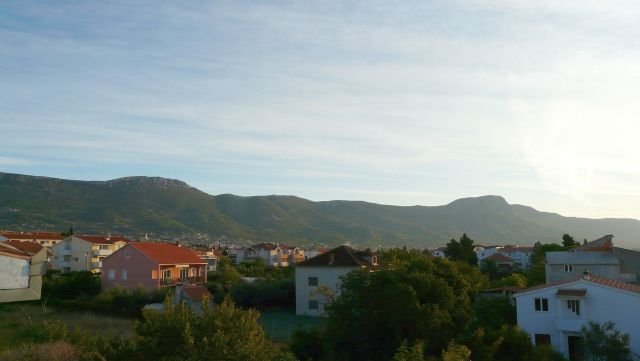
x: 102, y: 252
x: 172, y: 281
x: 66, y: 251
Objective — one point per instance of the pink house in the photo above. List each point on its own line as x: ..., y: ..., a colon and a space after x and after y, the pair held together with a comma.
x: 152, y: 265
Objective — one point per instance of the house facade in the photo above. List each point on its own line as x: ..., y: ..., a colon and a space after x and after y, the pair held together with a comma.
x: 318, y: 278
x: 554, y: 314
x: 521, y: 256
x: 598, y: 257
x: 84, y: 252
x: 22, y: 272
x: 152, y: 265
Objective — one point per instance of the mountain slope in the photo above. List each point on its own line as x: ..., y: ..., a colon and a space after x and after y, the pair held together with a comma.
x: 137, y: 205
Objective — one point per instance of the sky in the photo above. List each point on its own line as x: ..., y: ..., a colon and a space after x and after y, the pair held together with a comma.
x: 411, y: 102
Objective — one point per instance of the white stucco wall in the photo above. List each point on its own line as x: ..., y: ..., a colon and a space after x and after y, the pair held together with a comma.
x: 601, y: 304
x: 14, y: 273
x: 327, y: 276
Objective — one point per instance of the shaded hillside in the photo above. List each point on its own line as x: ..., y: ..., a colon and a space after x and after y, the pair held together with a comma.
x: 135, y: 205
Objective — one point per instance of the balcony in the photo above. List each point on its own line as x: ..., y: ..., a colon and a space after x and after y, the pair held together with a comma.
x: 66, y: 251
x: 102, y: 252
x: 569, y: 324
x: 173, y: 281
x: 96, y: 264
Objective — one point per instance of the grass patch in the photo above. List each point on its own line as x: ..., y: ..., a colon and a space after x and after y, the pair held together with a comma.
x: 16, y: 321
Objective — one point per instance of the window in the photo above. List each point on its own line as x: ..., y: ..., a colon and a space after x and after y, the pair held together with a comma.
x: 201, y: 271
x: 166, y: 274
x: 313, y: 304
x: 123, y: 274
x: 111, y: 274
x: 66, y: 269
x: 574, y: 306
x: 568, y: 268
x: 313, y: 281
x: 184, y: 273
x: 127, y: 254
x: 67, y: 258
x: 542, y: 339
x: 542, y: 304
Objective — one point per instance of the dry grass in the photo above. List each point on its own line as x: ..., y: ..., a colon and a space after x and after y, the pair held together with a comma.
x: 16, y: 321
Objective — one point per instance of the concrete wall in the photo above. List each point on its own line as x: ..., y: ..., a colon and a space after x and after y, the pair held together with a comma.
x: 139, y: 270
x: 328, y: 277
x: 555, y: 272
x: 14, y: 273
x: 601, y: 304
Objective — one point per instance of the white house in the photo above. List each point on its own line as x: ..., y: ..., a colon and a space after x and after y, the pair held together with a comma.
x: 21, y: 273
x: 521, y: 256
x: 554, y: 313
x: 84, y: 252
x: 439, y: 252
x: 318, y: 278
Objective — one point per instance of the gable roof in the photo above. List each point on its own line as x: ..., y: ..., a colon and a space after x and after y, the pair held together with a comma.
x: 197, y: 293
x: 25, y: 246
x: 167, y: 253
x: 101, y: 239
x: 32, y: 235
x: 510, y: 249
x: 617, y: 284
x: 7, y: 250
x: 604, y: 244
x: 342, y: 256
x: 581, y: 258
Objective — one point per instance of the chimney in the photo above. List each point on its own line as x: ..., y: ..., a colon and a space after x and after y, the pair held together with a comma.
x: 178, y: 244
x: 332, y: 258
x: 108, y: 236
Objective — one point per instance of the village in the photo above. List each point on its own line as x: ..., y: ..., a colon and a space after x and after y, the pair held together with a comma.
x: 575, y: 284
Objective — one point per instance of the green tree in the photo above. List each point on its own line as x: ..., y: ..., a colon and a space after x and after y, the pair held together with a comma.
x: 602, y: 342
x: 568, y: 242
x: 406, y: 353
x: 417, y: 299
x: 456, y: 352
x: 463, y: 250
x: 536, y: 274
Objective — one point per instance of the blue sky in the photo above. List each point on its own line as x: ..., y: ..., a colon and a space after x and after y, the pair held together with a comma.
x: 413, y: 102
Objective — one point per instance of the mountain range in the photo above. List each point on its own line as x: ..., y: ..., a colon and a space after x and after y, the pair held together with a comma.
x: 139, y: 205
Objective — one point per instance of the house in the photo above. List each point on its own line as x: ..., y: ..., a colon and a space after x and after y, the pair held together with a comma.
x: 192, y: 296
x: 314, y: 251
x: 152, y: 265
x: 47, y: 239
x: 521, y: 256
x: 554, y: 313
x: 318, y: 278
x: 85, y: 252
x: 210, y: 255
x: 439, y: 252
x: 503, y: 263
x: 272, y: 254
x: 22, y: 271
x: 598, y: 257
x: 31, y: 248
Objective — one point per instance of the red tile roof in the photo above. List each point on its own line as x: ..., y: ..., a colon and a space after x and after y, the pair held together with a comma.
x: 97, y: 239
x: 25, y: 246
x: 167, y: 253
x: 593, y: 279
x: 7, y: 250
x: 31, y: 235
x: 197, y: 293
x: 342, y: 256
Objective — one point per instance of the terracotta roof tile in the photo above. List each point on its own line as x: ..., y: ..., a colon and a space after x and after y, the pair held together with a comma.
x: 197, y: 293
x: 102, y: 239
x: 593, y: 279
x: 25, y: 246
x: 31, y: 235
x: 167, y: 253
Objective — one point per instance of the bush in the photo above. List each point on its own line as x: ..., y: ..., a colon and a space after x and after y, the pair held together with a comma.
x: 263, y: 294
x: 70, y: 285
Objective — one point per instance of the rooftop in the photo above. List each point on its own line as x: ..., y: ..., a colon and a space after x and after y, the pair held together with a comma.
x: 581, y: 258
x: 102, y: 239
x: 593, y: 279
x: 25, y: 246
x: 167, y: 253
x: 342, y: 256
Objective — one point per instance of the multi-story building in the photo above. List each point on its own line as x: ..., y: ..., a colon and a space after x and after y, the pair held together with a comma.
x: 521, y: 256
x: 85, y: 252
x: 153, y: 265
x: 318, y: 278
x: 555, y: 313
x: 598, y: 257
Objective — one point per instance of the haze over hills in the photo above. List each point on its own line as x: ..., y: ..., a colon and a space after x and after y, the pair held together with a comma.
x: 135, y: 205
